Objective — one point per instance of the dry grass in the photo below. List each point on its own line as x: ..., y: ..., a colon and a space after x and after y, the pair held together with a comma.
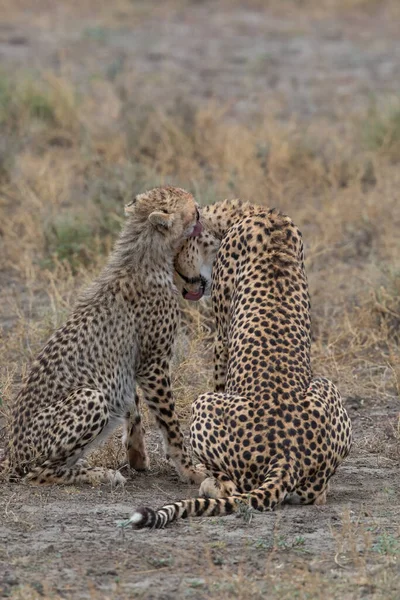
x: 64, y: 185
x: 385, y: 443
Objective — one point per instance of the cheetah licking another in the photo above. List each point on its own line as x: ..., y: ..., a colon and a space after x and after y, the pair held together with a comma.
x: 271, y: 431
x: 121, y: 333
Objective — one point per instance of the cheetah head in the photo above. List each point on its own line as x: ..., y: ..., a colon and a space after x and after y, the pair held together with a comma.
x: 167, y: 211
x: 193, y: 266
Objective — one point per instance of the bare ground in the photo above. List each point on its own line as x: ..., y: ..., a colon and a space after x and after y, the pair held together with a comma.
x: 63, y: 542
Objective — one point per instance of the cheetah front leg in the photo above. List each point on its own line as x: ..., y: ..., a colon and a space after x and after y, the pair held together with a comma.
x: 156, y: 386
x: 133, y: 439
x: 220, y: 363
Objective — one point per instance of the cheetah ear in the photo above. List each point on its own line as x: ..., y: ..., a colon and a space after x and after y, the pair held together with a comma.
x: 130, y: 207
x: 161, y: 220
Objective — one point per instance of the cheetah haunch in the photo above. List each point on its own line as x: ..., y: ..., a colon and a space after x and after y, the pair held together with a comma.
x: 121, y: 333
x: 271, y: 431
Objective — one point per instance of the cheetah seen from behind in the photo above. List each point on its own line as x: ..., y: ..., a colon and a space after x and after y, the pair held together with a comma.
x: 270, y: 432
x: 120, y: 333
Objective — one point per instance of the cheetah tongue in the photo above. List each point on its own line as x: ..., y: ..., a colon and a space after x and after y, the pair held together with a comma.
x: 193, y: 296
x: 197, y: 229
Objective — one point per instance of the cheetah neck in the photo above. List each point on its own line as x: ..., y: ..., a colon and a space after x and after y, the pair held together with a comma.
x: 140, y: 259
x: 220, y: 217
x: 142, y: 250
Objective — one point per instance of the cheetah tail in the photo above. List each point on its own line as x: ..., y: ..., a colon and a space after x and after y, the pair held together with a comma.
x: 271, y: 493
x: 194, y: 507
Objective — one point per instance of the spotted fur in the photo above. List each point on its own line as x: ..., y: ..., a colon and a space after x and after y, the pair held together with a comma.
x: 120, y: 334
x: 270, y: 432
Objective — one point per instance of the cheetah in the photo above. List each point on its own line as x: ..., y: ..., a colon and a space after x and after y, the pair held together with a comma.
x: 120, y: 334
x: 270, y: 432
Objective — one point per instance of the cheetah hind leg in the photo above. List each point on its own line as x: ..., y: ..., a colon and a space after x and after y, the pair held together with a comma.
x: 307, y: 494
x: 79, y: 473
x: 82, y: 423
x: 220, y: 363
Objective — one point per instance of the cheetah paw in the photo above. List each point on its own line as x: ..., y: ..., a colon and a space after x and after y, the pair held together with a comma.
x: 321, y: 499
x: 193, y: 474
x: 198, y: 474
x: 210, y: 488
x: 115, y: 478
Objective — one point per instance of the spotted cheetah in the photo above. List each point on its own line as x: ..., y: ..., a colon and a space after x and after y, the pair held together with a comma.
x: 120, y: 333
x: 270, y: 432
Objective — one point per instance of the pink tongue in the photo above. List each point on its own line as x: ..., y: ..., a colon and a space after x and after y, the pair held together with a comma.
x: 198, y: 228
x: 194, y: 296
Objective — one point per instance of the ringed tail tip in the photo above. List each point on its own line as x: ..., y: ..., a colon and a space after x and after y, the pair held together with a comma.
x: 142, y: 517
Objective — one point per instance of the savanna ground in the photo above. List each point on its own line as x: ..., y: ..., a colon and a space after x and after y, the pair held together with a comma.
x: 289, y: 104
